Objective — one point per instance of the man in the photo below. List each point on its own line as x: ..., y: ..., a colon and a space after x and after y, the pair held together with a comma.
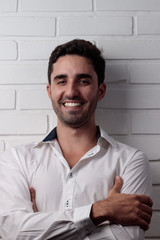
x: 88, y: 186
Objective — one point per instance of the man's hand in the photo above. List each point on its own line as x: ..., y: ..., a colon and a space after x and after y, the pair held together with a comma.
x: 124, y: 209
x: 33, y: 198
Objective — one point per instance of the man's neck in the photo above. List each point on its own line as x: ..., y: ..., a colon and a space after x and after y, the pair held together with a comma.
x: 75, y: 142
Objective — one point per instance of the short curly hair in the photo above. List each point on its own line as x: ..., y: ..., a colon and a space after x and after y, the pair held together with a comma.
x: 82, y: 48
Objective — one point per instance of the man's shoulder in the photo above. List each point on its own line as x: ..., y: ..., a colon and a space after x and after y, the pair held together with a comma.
x: 115, y: 143
x: 122, y: 149
x: 130, y: 154
x: 21, y: 150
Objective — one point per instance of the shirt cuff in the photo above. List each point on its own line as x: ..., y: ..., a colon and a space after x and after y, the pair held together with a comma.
x: 82, y: 220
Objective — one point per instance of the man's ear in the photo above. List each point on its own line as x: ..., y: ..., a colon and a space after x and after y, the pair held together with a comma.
x: 49, y: 90
x: 101, y: 91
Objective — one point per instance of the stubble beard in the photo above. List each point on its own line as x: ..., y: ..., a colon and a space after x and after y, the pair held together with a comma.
x: 72, y: 118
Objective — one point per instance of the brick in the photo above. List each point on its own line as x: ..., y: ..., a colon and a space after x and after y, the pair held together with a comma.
x: 114, y: 122
x: 144, y: 72
x: 54, y: 5
x: 8, y: 5
x: 116, y: 73
x: 23, y: 73
x: 156, y: 198
x: 27, y: 26
x: 145, y: 122
x: 19, y: 124
x: 127, y: 5
x: 34, y: 99
x: 154, y: 229
x: 155, y: 168
x: 132, y: 97
x: 7, y: 99
x: 8, y: 50
x: 37, y: 49
x: 130, y: 49
x: 94, y: 25
x: 146, y: 143
x: 148, y: 25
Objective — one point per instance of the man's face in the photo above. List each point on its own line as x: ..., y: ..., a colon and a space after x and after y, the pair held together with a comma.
x: 74, y: 90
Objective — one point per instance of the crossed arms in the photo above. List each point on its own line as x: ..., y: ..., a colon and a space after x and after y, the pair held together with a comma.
x: 118, y: 208
x: 120, y: 211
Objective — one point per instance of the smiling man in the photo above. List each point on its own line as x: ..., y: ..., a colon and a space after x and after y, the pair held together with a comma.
x: 88, y: 186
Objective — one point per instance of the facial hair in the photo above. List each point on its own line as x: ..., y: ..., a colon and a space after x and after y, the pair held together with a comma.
x: 72, y: 118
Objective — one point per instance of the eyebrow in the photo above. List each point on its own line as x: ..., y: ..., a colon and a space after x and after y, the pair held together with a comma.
x: 60, y: 76
x: 83, y: 75
x: 78, y: 76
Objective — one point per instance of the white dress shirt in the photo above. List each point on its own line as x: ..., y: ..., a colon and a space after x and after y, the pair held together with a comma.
x: 64, y: 196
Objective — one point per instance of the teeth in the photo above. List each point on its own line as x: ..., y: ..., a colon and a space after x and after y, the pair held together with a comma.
x: 69, y: 104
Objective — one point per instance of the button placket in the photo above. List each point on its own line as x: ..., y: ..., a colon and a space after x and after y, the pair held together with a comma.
x: 68, y: 192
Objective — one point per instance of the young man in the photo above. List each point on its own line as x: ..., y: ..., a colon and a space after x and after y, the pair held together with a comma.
x: 88, y: 186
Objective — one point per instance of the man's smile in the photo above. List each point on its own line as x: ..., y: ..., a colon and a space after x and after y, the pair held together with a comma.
x: 72, y: 104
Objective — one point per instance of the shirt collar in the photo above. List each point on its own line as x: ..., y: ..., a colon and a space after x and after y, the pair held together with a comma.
x: 51, y: 136
x: 109, y: 139
x: 100, y: 136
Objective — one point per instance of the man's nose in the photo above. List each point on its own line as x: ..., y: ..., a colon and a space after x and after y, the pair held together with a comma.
x: 72, y: 90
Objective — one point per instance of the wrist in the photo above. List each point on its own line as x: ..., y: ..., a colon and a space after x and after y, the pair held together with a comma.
x: 99, y: 212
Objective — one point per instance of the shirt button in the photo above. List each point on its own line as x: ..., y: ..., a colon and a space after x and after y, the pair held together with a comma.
x: 71, y: 175
x: 67, y: 203
x: 88, y: 231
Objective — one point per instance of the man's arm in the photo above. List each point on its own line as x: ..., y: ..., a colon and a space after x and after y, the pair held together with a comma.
x: 118, y: 208
x: 124, y: 209
x: 136, y: 183
x: 17, y: 219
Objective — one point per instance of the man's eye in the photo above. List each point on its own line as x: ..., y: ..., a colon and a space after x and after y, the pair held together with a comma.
x: 61, y: 82
x: 84, y: 82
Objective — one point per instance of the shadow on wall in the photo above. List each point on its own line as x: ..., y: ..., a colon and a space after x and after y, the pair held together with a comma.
x: 113, y: 111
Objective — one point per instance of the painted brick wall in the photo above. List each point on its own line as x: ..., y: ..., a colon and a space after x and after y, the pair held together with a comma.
x: 128, y: 31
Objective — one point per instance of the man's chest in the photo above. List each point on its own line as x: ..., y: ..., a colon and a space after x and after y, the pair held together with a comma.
x: 58, y: 187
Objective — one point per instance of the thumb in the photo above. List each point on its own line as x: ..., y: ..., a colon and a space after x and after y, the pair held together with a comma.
x: 118, y: 184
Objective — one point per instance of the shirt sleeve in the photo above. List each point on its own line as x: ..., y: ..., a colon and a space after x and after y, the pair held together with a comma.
x: 136, y: 180
x: 17, y: 219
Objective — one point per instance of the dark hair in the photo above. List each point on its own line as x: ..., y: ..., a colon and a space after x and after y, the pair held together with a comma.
x: 82, y: 48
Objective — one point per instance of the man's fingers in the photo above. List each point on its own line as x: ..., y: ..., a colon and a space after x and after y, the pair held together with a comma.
x: 144, y: 200
x: 118, y: 184
x: 146, y: 213
x: 32, y: 194
x: 33, y: 198
x: 147, y: 200
x: 143, y: 224
x: 147, y: 209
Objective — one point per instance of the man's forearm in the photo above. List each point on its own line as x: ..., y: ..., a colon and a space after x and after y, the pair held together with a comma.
x: 124, y: 209
x: 21, y: 225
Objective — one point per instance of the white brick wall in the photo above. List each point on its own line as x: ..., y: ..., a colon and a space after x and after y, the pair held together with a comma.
x: 127, y: 5
x: 7, y: 99
x: 56, y: 6
x: 128, y: 31
x: 23, y: 73
x: 8, y: 6
x: 148, y: 25
x: 23, y: 124
x: 131, y: 48
x: 94, y: 25
x: 8, y: 50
